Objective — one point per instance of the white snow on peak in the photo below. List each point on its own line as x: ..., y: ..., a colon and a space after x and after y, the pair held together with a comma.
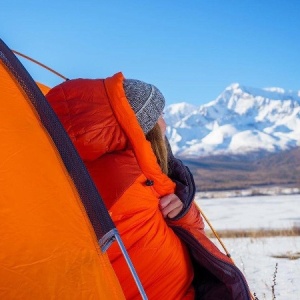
x: 181, y: 107
x: 240, y: 119
x: 177, y: 112
x: 233, y: 86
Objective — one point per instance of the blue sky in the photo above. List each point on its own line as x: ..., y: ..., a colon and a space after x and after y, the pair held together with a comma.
x: 191, y: 50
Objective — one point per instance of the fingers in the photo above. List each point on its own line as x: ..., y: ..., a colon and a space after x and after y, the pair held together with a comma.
x: 170, y: 205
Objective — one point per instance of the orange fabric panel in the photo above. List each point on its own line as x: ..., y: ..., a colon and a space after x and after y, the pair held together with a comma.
x: 85, y: 112
x: 44, y: 89
x: 48, y: 247
x: 113, y: 174
x: 160, y: 258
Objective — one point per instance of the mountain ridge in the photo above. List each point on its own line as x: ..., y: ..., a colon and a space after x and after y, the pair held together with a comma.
x: 240, y: 120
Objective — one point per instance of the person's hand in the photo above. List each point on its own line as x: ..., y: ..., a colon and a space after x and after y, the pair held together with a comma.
x: 170, y: 205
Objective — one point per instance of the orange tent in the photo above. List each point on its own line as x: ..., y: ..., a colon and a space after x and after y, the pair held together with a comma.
x: 51, y: 219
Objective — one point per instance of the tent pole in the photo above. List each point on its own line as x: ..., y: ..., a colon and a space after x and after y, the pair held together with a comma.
x: 131, y: 267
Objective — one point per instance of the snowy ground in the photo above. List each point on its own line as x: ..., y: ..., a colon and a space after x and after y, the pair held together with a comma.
x: 255, y: 256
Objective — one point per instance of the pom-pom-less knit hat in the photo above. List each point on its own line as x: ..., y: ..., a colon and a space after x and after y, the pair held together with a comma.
x: 146, y: 101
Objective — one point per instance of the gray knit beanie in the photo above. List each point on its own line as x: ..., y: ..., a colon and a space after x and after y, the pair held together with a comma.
x: 146, y: 101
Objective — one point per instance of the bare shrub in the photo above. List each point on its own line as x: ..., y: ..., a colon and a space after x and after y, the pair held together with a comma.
x: 256, y: 233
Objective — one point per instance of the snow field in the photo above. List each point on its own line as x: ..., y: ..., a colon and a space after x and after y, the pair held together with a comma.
x: 267, y: 260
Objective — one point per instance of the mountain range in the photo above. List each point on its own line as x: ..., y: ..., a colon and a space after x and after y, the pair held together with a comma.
x: 245, y: 138
x: 241, y: 120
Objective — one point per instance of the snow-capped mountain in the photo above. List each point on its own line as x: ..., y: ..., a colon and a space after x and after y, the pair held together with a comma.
x: 241, y: 120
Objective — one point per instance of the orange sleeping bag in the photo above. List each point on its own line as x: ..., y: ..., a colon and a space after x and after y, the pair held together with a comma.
x: 106, y: 133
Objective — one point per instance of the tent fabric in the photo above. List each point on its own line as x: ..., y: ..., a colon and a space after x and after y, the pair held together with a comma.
x: 44, y: 89
x: 49, y: 249
x: 89, y: 195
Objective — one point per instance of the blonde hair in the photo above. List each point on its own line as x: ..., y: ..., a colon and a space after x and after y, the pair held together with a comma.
x: 159, y: 147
